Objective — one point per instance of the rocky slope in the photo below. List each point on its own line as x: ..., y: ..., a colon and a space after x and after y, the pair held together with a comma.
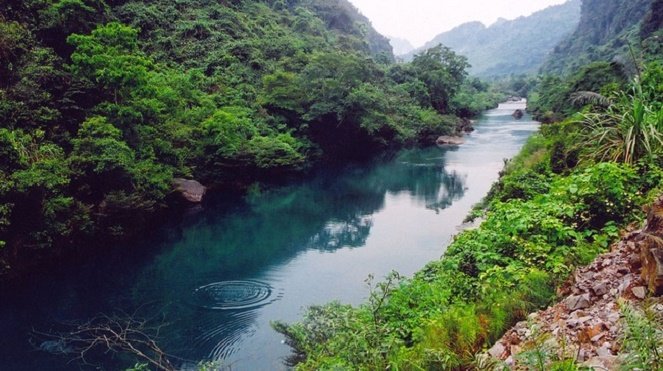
x: 587, y: 324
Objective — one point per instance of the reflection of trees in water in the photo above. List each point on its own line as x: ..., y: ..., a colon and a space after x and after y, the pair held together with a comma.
x: 348, y: 233
x: 331, y: 211
x: 421, y: 173
x: 452, y: 189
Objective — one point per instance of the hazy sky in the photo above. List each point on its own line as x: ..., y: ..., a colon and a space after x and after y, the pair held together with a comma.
x: 420, y: 20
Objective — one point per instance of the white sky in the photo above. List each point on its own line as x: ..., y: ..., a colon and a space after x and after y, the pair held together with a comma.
x: 420, y: 20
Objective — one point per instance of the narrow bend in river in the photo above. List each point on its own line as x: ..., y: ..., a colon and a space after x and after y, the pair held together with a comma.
x: 220, y: 277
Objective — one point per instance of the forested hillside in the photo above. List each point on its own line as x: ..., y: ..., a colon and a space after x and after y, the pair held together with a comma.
x: 104, y: 103
x: 605, y: 31
x: 519, y: 46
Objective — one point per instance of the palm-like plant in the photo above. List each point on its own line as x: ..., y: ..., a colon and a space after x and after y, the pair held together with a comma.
x: 627, y: 129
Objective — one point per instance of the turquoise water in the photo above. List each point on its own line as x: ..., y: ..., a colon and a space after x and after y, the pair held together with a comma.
x: 218, y: 278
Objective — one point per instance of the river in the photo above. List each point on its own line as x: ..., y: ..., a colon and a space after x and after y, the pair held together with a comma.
x: 218, y: 278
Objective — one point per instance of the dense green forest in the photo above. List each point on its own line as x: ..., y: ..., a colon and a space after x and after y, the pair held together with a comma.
x: 561, y: 202
x: 518, y: 46
x: 104, y: 103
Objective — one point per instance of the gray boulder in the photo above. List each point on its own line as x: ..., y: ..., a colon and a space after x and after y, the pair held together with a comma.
x: 450, y: 140
x: 191, y: 190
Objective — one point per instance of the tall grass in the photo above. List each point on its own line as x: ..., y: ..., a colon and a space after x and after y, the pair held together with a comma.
x: 627, y: 130
x: 643, y: 338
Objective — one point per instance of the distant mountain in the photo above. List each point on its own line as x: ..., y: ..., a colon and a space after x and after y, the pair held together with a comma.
x: 401, y: 46
x: 605, y: 30
x: 510, y: 47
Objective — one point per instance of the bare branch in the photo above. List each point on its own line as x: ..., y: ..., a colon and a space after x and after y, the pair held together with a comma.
x: 110, y: 334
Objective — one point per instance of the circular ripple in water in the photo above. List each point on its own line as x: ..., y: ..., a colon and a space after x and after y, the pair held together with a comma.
x: 232, y: 295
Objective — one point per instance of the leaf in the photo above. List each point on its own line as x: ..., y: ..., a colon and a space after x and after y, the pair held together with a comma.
x: 573, y: 188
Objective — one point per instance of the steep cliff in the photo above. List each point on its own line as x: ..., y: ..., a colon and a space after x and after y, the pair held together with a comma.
x: 604, y: 33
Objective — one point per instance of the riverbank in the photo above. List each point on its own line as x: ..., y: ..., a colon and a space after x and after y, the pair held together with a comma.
x: 597, y: 307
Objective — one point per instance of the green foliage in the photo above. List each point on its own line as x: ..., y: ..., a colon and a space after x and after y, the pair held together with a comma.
x: 47, y: 171
x: 276, y: 152
x: 601, y: 193
x: 110, y: 56
x: 69, y: 16
x: 31, y: 80
x: 552, y: 99
x: 229, y: 129
x: 523, y: 185
x: 14, y: 43
x: 443, y: 72
x: 99, y: 149
x: 475, y: 97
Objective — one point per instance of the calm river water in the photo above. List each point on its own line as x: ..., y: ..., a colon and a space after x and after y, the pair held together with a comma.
x: 218, y: 278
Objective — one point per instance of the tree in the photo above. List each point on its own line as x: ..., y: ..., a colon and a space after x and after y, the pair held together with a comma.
x: 101, y: 161
x: 69, y: 16
x: 443, y: 72
x: 110, y: 56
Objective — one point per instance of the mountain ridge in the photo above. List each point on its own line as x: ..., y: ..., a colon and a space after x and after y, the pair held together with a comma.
x: 400, y: 45
x: 510, y: 46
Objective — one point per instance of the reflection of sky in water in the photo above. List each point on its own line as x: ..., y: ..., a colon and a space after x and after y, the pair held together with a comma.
x: 220, y: 280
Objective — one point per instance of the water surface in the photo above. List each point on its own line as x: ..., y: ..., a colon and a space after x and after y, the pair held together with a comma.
x: 223, y: 274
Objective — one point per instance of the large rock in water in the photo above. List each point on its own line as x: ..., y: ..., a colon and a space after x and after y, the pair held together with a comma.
x: 518, y: 114
x: 191, y: 190
x: 449, y: 140
x: 651, y: 249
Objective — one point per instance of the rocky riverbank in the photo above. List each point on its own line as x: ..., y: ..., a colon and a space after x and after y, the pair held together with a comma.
x: 587, y: 324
